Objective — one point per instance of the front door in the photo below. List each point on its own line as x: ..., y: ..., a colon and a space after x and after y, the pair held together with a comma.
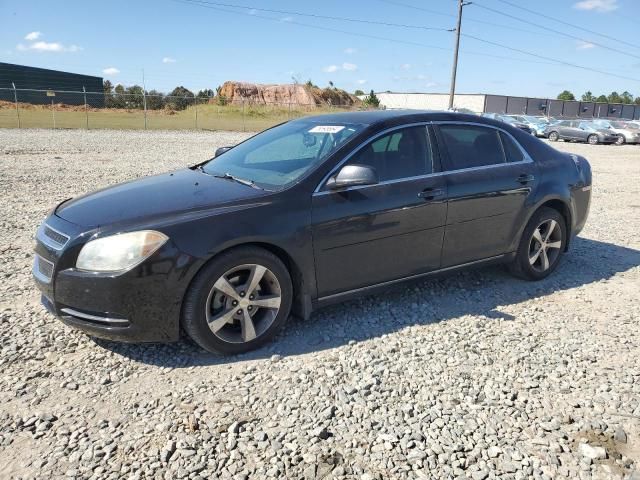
x: 370, y: 234
x: 489, y: 178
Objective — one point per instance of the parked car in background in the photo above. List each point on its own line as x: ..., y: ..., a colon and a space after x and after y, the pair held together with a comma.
x: 627, y: 132
x: 536, y: 124
x: 510, y: 121
x: 305, y: 214
x: 579, y: 131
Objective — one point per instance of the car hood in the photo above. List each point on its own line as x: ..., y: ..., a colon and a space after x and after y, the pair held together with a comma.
x: 154, y: 197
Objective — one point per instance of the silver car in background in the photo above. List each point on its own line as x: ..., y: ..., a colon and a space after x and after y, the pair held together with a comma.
x: 536, y: 124
x: 628, y: 132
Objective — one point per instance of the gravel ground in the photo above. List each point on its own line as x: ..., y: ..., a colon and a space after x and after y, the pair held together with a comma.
x: 477, y: 375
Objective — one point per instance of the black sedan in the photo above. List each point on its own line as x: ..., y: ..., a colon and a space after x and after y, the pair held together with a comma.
x: 307, y: 213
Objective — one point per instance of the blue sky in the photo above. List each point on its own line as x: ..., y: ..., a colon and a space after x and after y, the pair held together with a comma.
x: 178, y: 43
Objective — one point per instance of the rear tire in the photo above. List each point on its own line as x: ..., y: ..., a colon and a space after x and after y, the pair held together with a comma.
x: 592, y: 139
x: 541, y: 246
x: 238, y: 302
x: 553, y: 136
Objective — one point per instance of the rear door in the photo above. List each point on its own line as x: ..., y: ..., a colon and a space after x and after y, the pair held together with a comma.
x: 489, y: 178
x: 370, y: 234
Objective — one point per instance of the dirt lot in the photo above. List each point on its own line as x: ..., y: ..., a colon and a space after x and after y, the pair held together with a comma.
x: 477, y: 375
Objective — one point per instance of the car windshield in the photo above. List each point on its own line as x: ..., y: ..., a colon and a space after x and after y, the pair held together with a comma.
x: 588, y: 126
x: 278, y: 157
x: 621, y: 125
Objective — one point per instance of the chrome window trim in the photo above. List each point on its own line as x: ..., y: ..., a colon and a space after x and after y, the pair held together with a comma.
x: 42, y: 237
x: 36, y: 269
x: 527, y: 157
x: 365, y: 143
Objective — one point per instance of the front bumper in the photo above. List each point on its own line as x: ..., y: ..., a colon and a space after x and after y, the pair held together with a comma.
x: 141, y: 305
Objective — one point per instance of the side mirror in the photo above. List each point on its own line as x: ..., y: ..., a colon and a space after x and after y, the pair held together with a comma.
x: 353, y: 175
x: 220, y: 151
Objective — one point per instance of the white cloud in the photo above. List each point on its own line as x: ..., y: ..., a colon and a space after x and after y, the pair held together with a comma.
x: 431, y: 84
x: 110, y: 71
x: 168, y: 60
x: 597, y: 5
x: 33, y: 36
x: 361, y: 82
x: 405, y: 66
x: 48, y: 47
x: 350, y: 51
x: 286, y: 19
x: 349, y: 67
x: 585, y: 45
x: 331, y: 68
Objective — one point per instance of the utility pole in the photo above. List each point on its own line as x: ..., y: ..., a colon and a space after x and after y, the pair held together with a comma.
x: 454, y: 71
x: 144, y: 99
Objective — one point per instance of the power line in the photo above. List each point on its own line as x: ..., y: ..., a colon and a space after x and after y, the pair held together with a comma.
x: 375, y: 37
x: 313, y: 15
x: 558, y: 32
x: 560, y: 62
x: 549, y: 17
x: 435, y: 12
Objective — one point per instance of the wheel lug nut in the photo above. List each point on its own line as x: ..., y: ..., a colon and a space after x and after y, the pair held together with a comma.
x: 249, y: 308
x: 239, y: 312
x: 242, y: 294
x: 235, y: 303
x: 251, y: 297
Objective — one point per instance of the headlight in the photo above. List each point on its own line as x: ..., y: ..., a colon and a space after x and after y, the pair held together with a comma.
x: 119, y: 252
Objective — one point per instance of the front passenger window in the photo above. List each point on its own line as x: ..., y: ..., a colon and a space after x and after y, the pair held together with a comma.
x: 402, y: 153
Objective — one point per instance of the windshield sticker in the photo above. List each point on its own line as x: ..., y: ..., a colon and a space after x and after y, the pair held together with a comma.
x: 326, y: 129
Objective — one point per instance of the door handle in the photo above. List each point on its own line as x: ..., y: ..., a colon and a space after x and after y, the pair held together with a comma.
x: 524, y: 178
x: 431, y: 193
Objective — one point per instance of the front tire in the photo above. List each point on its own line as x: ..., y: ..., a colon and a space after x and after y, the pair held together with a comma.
x: 592, y: 139
x: 238, y: 302
x: 541, y: 246
x: 553, y: 136
x: 621, y: 140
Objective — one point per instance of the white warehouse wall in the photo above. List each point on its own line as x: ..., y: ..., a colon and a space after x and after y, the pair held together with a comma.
x: 431, y: 101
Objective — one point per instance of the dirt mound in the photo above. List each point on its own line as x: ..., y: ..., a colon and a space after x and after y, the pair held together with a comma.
x: 295, y: 94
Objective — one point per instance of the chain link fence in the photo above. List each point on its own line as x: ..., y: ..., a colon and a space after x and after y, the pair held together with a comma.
x: 24, y: 108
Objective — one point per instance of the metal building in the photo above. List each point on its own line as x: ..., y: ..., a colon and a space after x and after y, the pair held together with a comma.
x: 480, y: 103
x: 45, y: 81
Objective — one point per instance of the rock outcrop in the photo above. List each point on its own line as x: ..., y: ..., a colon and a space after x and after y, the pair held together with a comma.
x: 294, y: 94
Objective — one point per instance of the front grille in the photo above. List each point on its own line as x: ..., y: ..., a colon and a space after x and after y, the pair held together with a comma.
x: 53, y: 237
x: 42, y: 269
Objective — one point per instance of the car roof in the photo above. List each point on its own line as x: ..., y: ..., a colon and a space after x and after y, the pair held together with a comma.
x: 372, y: 117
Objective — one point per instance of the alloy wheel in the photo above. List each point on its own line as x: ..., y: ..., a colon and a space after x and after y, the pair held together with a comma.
x: 593, y: 139
x: 553, y: 136
x: 620, y: 140
x: 545, y: 245
x: 243, y: 303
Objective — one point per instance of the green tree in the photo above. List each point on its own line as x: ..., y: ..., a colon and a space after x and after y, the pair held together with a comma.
x: 155, y: 100
x: 588, y: 97
x: 119, y: 99
x: 614, y: 98
x: 134, y: 97
x: 206, y: 93
x: 358, y: 92
x: 108, y: 93
x: 180, y: 98
x: 372, y: 100
x: 566, y: 95
x: 637, y: 101
x: 626, y: 97
x: 602, y: 99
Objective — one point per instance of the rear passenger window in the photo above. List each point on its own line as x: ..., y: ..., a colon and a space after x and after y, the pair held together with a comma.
x: 472, y: 146
x: 511, y: 150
